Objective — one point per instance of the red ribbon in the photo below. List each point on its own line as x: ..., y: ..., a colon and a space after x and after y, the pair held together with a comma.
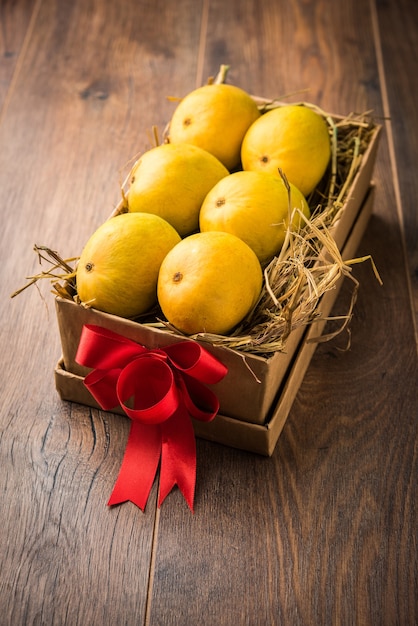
x: 159, y: 389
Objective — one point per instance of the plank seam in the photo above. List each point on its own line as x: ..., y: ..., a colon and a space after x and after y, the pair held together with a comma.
x: 148, y: 607
x: 392, y: 153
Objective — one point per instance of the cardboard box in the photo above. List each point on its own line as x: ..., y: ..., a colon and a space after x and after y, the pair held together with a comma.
x: 256, y: 394
x: 279, y: 376
x: 253, y: 379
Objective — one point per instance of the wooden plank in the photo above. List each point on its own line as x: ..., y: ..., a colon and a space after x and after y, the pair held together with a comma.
x: 397, y: 23
x: 322, y: 532
x: 15, y: 20
x: 297, y: 51
x: 93, y: 80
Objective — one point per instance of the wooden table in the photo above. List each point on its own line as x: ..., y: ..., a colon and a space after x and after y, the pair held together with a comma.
x: 322, y: 533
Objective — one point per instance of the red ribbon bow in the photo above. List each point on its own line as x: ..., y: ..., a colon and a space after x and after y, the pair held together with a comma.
x: 159, y: 389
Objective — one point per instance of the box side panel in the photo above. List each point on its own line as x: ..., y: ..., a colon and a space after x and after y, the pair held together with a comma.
x: 228, y: 431
x: 357, y: 194
x: 247, y: 374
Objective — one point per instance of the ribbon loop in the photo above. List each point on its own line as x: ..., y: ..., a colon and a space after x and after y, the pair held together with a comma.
x: 149, y: 381
x: 201, y: 403
x: 159, y: 390
x: 190, y: 358
x: 101, y: 348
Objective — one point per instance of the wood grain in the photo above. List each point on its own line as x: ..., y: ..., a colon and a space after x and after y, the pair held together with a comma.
x: 309, y: 537
x: 93, y: 81
x: 324, y: 531
x: 398, y: 29
x: 15, y: 23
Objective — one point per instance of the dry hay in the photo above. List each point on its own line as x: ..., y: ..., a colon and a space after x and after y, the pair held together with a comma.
x: 309, y: 263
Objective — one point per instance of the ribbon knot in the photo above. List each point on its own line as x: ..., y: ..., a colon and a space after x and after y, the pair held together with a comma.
x: 159, y: 389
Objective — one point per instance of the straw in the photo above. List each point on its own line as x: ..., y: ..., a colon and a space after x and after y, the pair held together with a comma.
x: 308, y: 265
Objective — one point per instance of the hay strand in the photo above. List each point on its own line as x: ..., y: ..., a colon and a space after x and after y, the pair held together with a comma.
x: 308, y: 265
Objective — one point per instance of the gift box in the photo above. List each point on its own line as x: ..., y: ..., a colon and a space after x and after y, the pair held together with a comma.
x: 257, y: 393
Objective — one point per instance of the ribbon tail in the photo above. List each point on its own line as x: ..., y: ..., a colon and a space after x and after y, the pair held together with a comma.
x: 178, y: 457
x: 139, y: 465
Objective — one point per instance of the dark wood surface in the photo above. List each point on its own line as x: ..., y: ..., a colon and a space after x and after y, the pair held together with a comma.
x: 322, y: 533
